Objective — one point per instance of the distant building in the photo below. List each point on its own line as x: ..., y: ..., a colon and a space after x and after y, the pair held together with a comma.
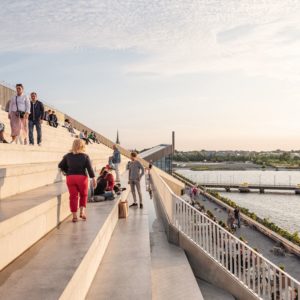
x: 161, y: 155
x: 118, y: 140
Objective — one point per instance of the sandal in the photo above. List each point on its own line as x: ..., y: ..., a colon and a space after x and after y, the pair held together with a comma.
x: 75, y: 219
x: 83, y: 216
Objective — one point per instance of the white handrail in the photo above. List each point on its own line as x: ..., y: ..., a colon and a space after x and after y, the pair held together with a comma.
x: 257, y: 273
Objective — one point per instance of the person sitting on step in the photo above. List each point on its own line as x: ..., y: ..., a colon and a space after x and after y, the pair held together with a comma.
x: 102, y: 186
x: 53, y: 119
x: 2, y: 128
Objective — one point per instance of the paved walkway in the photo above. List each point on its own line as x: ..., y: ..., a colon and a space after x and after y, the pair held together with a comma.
x: 125, y: 270
x: 139, y: 263
x: 210, y: 292
x: 172, y: 275
x: 255, y: 239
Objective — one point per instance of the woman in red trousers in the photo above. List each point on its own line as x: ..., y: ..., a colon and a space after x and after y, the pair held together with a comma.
x: 76, y: 165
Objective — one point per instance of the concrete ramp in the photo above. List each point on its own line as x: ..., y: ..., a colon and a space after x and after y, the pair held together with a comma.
x: 172, y: 276
x: 139, y: 262
x: 125, y: 271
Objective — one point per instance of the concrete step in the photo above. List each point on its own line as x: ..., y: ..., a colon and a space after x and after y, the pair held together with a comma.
x: 125, y: 271
x: 46, y: 129
x: 4, y: 119
x: 15, y: 179
x: 21, y: 154
x: 27, y: 217
x: 62, y: 265
x: 55, y: 144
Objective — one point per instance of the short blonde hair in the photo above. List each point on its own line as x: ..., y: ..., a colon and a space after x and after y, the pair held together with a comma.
x: 78, y: 146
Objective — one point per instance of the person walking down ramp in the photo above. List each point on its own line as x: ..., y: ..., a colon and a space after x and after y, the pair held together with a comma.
x: 76, y: 165
x: 136, y: 171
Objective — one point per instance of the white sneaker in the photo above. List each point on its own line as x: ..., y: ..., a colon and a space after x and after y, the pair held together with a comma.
x: 40, y: 144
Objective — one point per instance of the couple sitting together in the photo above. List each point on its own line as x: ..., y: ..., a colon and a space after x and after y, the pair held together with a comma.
x: 106, y: 186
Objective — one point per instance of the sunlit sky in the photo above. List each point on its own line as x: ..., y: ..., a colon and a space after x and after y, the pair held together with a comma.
x: 221, y: 74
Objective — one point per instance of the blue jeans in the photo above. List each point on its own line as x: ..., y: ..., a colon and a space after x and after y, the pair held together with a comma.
x: 108, y: 195
x: 38, y: 130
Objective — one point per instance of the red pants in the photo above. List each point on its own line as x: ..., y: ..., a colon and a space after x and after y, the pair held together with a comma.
x: 77, y: 184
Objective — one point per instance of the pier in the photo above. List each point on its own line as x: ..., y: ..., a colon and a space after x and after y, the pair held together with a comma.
x: 246, y: 188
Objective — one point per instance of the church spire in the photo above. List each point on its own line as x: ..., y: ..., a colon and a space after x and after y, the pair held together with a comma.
x: 118, y: 141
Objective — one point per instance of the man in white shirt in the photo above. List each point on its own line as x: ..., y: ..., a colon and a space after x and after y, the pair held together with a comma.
x: 19, y: 110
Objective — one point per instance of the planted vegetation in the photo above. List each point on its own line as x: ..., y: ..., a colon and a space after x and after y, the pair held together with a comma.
x: 274, y: 159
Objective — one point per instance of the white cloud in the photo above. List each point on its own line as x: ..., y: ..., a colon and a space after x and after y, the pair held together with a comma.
x: 257, y: 37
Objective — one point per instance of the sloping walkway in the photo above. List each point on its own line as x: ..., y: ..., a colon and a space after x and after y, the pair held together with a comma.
x: 211, y: 292
x: 172, y: 276
x: 125, y: 271
x: 139, y: 263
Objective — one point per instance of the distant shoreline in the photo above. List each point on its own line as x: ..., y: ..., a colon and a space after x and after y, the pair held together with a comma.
x: 227, y: 166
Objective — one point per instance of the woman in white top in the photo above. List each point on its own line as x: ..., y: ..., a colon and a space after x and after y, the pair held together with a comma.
x: 19, y: 110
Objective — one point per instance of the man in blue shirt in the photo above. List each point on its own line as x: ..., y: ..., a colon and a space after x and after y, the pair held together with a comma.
x: 116, y: 160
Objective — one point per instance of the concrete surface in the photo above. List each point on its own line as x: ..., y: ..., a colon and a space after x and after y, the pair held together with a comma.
x: 19, y: 178
x: 172, y: 276
x: 211, y: 292
x: 125, y: 271
x: 26, y: 218
x: 130, y: 271
x: 46, y: 269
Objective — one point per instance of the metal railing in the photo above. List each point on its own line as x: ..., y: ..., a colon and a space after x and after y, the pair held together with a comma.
x: 259, y: 179
x: 255, y: 272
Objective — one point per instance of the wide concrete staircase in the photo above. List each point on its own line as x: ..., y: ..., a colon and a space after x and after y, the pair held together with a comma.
x: 43, y: 255
x: 34, y: 201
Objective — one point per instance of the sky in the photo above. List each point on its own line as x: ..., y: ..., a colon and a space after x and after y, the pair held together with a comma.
x: 222, y: 74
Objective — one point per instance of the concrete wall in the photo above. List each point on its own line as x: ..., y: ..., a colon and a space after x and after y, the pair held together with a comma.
x: 5, y: 94
x: 209, y: 270
x: 175, y: 185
